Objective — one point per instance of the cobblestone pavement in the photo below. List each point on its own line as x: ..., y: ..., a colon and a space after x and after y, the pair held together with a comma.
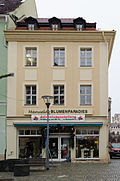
x: 73, y: 172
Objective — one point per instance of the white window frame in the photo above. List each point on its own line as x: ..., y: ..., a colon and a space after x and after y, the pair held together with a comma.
x: 31, y: 95
x: 89, y: 135
x: 24, y: 56
x: 59, y: 95
x: 86, y: 65
x: 79, y: 27
x: 31, y: 26
x: 54, y: 27
x: 86, y: 95
x: 52, y: 91
x: 53, y: 57
x: 31, y: 56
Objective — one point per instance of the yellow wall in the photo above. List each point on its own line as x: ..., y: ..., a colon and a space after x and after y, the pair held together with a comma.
x: 72, y: 75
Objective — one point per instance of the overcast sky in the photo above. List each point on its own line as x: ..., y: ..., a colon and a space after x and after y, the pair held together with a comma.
x: 106, y: 13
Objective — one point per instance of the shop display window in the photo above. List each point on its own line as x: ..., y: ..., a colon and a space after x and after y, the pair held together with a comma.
x: 87, y: 143
x: 30, y: 147
x: 30, y: 143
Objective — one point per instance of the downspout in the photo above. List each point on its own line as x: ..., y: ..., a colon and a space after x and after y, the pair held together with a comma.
x: 6, y: 20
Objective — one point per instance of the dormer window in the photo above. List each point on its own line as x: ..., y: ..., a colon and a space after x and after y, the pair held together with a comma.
x: 54, y: 27
x: 79, y: 27
x: 31, y: 26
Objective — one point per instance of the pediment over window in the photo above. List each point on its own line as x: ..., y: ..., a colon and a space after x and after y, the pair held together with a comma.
x: 31, y: 21
x: 80, y: 21
x: 55, y: 23
x: 54, y: 20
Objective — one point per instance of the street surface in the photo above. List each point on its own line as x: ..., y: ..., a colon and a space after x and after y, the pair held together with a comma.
x: 73, y: 172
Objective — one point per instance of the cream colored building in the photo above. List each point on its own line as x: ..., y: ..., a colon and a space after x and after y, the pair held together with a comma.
x: 68, y: 59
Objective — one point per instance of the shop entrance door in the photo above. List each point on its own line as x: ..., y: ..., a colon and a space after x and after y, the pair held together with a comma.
x: 59, y: 148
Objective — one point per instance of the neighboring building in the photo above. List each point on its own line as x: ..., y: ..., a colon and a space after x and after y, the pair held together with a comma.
x: 115, y: 128
x: 17, y: 9
x: 116, y: 118
x: 68, y: 59
x: 109, y: 109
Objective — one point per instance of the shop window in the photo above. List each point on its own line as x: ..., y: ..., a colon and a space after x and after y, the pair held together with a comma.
x: 86, y: 57
x: 30, y: 147
x: 87, y: 146
x: 31, y: 56
x: 30, y: 143
x: 30, y: 94
x: 59, y: 57
x: 58, y: 92
x: 85, y: 95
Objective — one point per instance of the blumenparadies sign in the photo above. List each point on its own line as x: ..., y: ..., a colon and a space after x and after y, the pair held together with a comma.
x: 58, y: 111
x: 61, y: 118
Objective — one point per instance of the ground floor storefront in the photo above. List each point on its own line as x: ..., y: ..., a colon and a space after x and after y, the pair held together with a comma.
x: 67, y: 141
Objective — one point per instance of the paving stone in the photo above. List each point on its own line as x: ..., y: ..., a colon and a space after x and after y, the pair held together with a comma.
x: 73, y: 172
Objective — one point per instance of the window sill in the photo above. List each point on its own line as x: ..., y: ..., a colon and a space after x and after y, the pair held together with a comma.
x: 59, y: 67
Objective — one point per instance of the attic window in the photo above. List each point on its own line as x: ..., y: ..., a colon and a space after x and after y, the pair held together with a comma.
x: 31, y: 26
x: 54, y: 27
x: 79, y: 27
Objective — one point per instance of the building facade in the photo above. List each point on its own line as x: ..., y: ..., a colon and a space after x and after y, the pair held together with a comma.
x: 67, y: 59
x: 9, y: 9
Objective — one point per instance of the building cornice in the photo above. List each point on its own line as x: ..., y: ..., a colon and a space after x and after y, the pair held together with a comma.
x: 62, y: 36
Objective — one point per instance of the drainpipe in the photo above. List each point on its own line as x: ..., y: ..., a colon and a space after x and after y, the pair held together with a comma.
x: 6, y: 20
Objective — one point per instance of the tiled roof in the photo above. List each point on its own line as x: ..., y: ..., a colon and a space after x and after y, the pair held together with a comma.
x: 7, y: 6
x: 63, y: 20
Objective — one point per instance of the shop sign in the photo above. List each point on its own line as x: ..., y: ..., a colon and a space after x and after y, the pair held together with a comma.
x: 41, y: 118
x: 59, y: 111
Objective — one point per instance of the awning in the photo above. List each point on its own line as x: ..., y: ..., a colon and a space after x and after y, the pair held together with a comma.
x: 87, y: 124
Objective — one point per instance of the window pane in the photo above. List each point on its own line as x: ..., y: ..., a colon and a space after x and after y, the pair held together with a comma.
x: 55, y: 99
x: 27, y: 132
x: 88, y: 99
x: 21, y: 132
x: 82, y: 100
x: 88, y: 90
x: 28, y: 98
x: 61, y: 89
x: 33, y: 132
x: 55, y: 89
x: 61, y: 99
x: 33, y: 89
x: 27, y: 89
x: 33, y: 100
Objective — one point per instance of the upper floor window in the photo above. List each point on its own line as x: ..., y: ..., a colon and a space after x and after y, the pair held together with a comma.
x: 54, y: 27
x: 86, y: 57
x: 79, y: 27
x: 31, y: 56
x: 58, y: 92
x: 59, y: 57
x: 31, y: 93
x: 85, y: 95
x: 31, y: 26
